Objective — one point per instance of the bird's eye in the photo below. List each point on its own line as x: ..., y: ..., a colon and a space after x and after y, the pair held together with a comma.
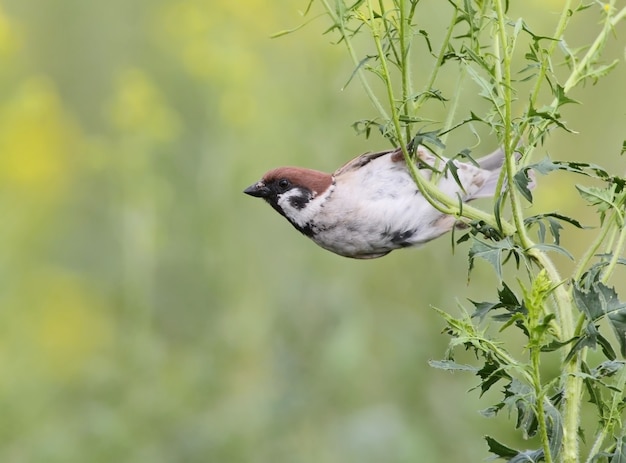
x: 283, y: 184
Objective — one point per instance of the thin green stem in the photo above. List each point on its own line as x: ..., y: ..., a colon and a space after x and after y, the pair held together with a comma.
x: 545, y: 64
x: 613, y: 419
x: 536, y: 315
x: 541, y: 413
x: 578, y: 73
x: 592, y: 250
x: 456, y: 98
x: 405, y: 64
x: 431, y: 193
x: 421, y: 99
x: 338, y: 20
x: 510, y: 165
x: 616, y: 253
x: 579, y: 70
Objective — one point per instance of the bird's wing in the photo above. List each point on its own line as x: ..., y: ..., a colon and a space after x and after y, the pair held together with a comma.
x: 360, y: 161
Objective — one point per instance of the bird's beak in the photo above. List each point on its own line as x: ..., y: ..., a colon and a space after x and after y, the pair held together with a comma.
x: 258, y: 190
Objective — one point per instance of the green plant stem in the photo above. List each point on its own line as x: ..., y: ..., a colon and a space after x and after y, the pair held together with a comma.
x: 421, y: 99
x: 535, y: 355
x: 613, y: 419
x: 405, y: 28
x: 453, y: 107
x: 339, y: 22
x: 616, y: 251
x: 536, y: 312
x: 431, y: 193
x: 572, y: 382
x: 558, y: 34
x: 578, y: 73
x: 592, y: 250
x: 516, y: 207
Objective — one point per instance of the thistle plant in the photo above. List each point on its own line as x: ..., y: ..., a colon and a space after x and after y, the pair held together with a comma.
x: 513, y: 69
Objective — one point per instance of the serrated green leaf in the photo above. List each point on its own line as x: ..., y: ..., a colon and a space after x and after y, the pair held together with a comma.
x: 553, y: 219
x: 595, y: 396
x: 546, y: 165
x: 608, y: 368
x: 492, y: 252
x: 600, y: 71
x: 451, y: 365
x: 490, y: 374
x: 606, y: 347
x: 453, y: 169
x: 555, y: 248
x: 619, y: 456
x: 555, y: 429
x: 483, y: 308
x: 555, y: 345
x: 521, y: 181
x: 601, y: 197
x: 549, y: 114
x: 492, y: 411
x: 617, y: 320
x: 529, y: 456
x: 591, y: 338
x: 589, y: 303
x: 499, y: 449
x: 562, y: 98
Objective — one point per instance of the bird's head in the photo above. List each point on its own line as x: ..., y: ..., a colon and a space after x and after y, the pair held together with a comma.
x: 296, y: 193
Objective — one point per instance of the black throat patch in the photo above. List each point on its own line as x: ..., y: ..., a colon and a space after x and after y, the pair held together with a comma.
x: 298, y: 202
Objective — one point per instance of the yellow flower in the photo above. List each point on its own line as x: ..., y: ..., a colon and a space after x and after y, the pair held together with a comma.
x: 36, y: 140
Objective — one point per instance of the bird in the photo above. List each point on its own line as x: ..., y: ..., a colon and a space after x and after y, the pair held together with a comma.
x: 371, y: 205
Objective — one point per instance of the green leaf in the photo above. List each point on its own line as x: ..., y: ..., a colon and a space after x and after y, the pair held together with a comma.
x: 601, y: 197
x: 619, y: 456
x: 490, y: 374
x: 546, y: 165
x: 492, y: 252
x: 623, y: 147
x: 607, y: 369
x: 591, y: 383
x: 598, y: 301
x: 549, y: 114
x: 555, y: 248
x: 555, y: 429
x: 617, y: 320
x: 499, y: 449
x: 600, y: 71
x: 453, y: 169
x: 589, y: 303
x: 298, y: 27
x: 553, y: 219
x: 483, y: 308
x: 562, y: 98
x: 592, y: 276
x: 521, y: 181
x: 591, y: 338
x: 555, y: 344
x: 451, y: 365
x: 361, y: 63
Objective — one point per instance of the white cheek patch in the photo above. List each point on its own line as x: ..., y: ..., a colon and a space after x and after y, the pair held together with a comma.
x: 300, y: 207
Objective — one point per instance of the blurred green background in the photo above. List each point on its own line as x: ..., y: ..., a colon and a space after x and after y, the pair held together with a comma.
x: 151, y: 312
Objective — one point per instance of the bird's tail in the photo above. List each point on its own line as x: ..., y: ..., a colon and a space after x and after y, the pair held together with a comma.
x: 493, y: 163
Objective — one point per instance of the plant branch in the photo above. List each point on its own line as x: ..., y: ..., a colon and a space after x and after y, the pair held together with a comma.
x: 339, y: 23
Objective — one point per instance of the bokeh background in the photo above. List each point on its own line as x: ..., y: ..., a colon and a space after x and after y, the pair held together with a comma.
x: 151, y: 312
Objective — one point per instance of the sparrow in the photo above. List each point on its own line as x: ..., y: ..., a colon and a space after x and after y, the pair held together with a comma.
x: 371, y: 205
